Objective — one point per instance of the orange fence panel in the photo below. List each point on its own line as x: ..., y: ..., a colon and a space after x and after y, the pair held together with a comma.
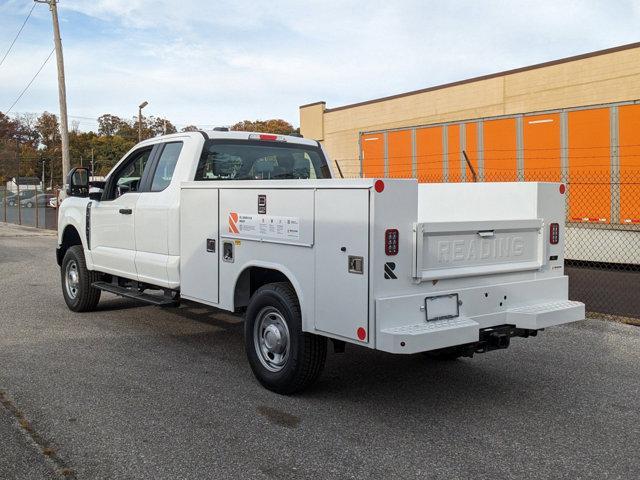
x: 372, y: 155
x: 629, y: 154
x: 399, y: 154
x: 471, y: 149
x: 429, y: 154
x: 500, y: 150
x: 453, y: 153
x: 542, y: 145
x: 589, y: 166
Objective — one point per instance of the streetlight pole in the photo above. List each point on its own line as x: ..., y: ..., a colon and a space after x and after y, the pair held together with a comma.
x: 140, y: 107
x: 62, y: 91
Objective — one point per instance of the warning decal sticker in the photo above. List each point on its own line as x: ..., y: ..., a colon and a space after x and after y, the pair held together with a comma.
x: 264, y: 226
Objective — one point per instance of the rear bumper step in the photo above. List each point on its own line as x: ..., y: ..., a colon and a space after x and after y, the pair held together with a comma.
x: 546, y: 315
x: 427, y: 336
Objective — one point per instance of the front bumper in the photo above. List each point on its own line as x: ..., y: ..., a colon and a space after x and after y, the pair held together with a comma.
x: 532, y: 305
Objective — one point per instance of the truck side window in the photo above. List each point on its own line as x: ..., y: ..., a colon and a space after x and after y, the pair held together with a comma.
x: 166, y: 165
x: 127, y: 178
x: 260, y: 160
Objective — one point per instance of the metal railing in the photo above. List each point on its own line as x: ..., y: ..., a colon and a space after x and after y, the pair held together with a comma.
x: 32, y: 207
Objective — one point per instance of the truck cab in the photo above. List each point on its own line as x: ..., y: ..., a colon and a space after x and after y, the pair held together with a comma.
x: 256, y: 224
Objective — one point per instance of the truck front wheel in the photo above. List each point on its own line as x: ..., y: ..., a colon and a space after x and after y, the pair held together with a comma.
x: 78, y: 293
x: 283, y: 358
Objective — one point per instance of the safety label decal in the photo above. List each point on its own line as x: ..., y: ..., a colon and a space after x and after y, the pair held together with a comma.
x: 264, y: 226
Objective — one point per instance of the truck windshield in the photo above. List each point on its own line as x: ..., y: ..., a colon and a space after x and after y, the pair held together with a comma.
x: 260, y: 160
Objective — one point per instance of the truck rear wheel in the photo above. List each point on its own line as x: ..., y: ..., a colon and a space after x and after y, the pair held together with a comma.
x: 283, y: 358
x: 78, y: 293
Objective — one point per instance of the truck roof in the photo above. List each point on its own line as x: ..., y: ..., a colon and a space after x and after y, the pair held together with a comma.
x: 245, y: 136
x: 232, y: 135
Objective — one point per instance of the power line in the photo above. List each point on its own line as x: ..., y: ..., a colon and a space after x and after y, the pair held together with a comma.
x: 31, y: 81
x: 17, y: 35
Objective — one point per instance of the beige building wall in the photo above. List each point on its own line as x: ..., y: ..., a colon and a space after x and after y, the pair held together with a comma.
x: 600, y: 77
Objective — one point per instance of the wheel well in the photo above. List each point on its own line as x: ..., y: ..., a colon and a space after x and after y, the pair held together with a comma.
x: 70, y: 237
x: 251, y: 279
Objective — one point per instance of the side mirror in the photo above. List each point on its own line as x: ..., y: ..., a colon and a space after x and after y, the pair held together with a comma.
x: 95, y: 194
x: 96, y: 188
x: 78, y: 182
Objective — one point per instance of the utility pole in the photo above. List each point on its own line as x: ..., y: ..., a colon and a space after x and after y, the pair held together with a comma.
x: 62, y: 91
x: 93, y: 172
x: 18, y: 181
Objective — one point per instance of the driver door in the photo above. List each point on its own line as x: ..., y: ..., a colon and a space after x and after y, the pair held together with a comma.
x: 112, y: 219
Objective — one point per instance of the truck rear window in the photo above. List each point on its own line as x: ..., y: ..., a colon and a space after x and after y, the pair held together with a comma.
x: 259, y: 160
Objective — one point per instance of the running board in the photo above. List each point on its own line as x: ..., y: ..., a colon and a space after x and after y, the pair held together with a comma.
x: 158, y: 301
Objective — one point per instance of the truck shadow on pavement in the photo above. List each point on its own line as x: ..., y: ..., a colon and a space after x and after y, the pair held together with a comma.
x: 365, y: 374
x: 529, y: 371
x: 118, y: 303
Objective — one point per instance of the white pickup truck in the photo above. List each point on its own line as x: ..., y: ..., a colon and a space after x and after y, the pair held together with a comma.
x: 256, y: 224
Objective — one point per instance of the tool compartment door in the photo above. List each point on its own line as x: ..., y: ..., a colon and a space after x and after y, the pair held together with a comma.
x: 199, y: 245
x: 342, y: 234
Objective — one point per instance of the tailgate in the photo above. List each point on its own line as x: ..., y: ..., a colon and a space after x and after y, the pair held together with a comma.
x: 469, y: 248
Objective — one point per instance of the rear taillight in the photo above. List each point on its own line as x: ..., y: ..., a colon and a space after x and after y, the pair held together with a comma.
x: 554, y: 233
x: 391, y: 238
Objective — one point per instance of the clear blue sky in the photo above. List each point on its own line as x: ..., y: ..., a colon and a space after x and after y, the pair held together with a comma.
x: 218, y: 62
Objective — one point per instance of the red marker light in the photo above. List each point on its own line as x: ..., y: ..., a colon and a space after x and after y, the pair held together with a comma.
x: 562, y: 189
x: 554, y: 233
x: 379, y: 186
x: 391, y: 241
x: 269, y: 138
x: 362, y: 333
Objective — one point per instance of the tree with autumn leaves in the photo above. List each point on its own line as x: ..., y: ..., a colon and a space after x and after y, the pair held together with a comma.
x: 30, y: 143
x: 278, y: 126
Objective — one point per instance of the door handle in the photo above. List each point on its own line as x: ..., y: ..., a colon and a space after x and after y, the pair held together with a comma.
x: 126, y: 211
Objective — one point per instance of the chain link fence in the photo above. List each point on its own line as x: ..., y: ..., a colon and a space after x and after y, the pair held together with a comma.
x: 602, y: 244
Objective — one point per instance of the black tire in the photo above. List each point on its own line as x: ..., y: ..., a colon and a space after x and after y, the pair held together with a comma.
x: 29, y: 205
x: 305, y: 353
x: 86, y: 297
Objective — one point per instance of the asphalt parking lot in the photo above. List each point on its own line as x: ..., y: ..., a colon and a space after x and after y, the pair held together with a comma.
x: 132, y: 391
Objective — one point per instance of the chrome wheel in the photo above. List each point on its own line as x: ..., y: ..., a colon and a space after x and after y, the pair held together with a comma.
x: 271, y: 339
x: 72, y: 279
